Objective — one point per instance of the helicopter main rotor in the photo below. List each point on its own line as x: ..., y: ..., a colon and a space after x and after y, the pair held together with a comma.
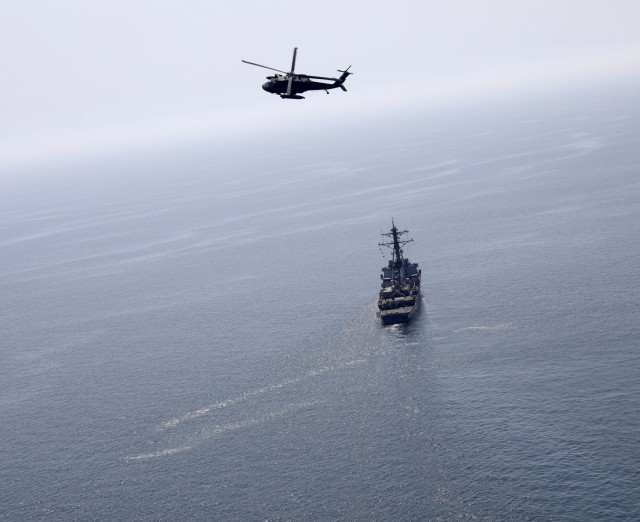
x: 271, y: 68
x: 293, y: 68
x: 288, y: 74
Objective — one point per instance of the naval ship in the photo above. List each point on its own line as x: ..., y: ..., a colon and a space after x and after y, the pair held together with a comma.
x: 400, y: 293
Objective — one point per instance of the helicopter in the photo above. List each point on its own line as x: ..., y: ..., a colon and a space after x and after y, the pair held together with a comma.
x: 289, y: 85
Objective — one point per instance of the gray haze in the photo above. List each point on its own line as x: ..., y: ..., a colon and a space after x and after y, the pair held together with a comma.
x: 81, y: 76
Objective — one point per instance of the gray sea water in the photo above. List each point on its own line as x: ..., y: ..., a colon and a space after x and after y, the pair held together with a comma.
x: 191, y: 335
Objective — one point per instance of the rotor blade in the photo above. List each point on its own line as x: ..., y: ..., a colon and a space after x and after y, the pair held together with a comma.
x: 293, y: 63
x: 257, y: 64
x: 289, y: 85
x: 319, y: 77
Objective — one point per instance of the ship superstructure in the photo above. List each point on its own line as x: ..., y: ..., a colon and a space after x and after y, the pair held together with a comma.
x: 399, y: 297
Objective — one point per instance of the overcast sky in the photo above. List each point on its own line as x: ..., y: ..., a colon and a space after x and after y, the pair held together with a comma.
x: 78, y: 75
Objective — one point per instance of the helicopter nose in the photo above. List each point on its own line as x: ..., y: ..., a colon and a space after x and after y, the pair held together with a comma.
x: 266, y: 86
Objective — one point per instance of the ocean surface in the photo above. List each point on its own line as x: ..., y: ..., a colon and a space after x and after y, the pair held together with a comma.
x: 191, y: 334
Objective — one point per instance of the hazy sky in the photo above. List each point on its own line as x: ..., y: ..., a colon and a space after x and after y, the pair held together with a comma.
x: 78, y: 75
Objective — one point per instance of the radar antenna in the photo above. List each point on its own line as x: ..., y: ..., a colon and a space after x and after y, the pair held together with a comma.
x: 397, y: 243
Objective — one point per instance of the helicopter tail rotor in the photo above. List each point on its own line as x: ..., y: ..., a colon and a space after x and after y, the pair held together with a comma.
x: 343, y: 77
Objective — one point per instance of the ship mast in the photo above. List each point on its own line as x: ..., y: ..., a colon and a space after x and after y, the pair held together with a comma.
x: 396, y: 244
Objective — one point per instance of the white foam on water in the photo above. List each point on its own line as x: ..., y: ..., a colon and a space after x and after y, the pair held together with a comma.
x: 162, y: 453
x: 194, y: 414
x: 490, y: 328
x: 249, y: 423
x: 84, y: 224
x: 583, y: 143
x: 208, y: 433
x: 435, y: 166
x: 160, y: 248
x: 225, y: 403
x: 443, y: 173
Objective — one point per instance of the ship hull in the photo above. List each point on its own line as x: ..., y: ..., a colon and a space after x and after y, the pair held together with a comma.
x: 399, y: 315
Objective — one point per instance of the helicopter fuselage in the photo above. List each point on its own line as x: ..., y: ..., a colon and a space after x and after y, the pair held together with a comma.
x: 289, y: 85
x: 300, y: 84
